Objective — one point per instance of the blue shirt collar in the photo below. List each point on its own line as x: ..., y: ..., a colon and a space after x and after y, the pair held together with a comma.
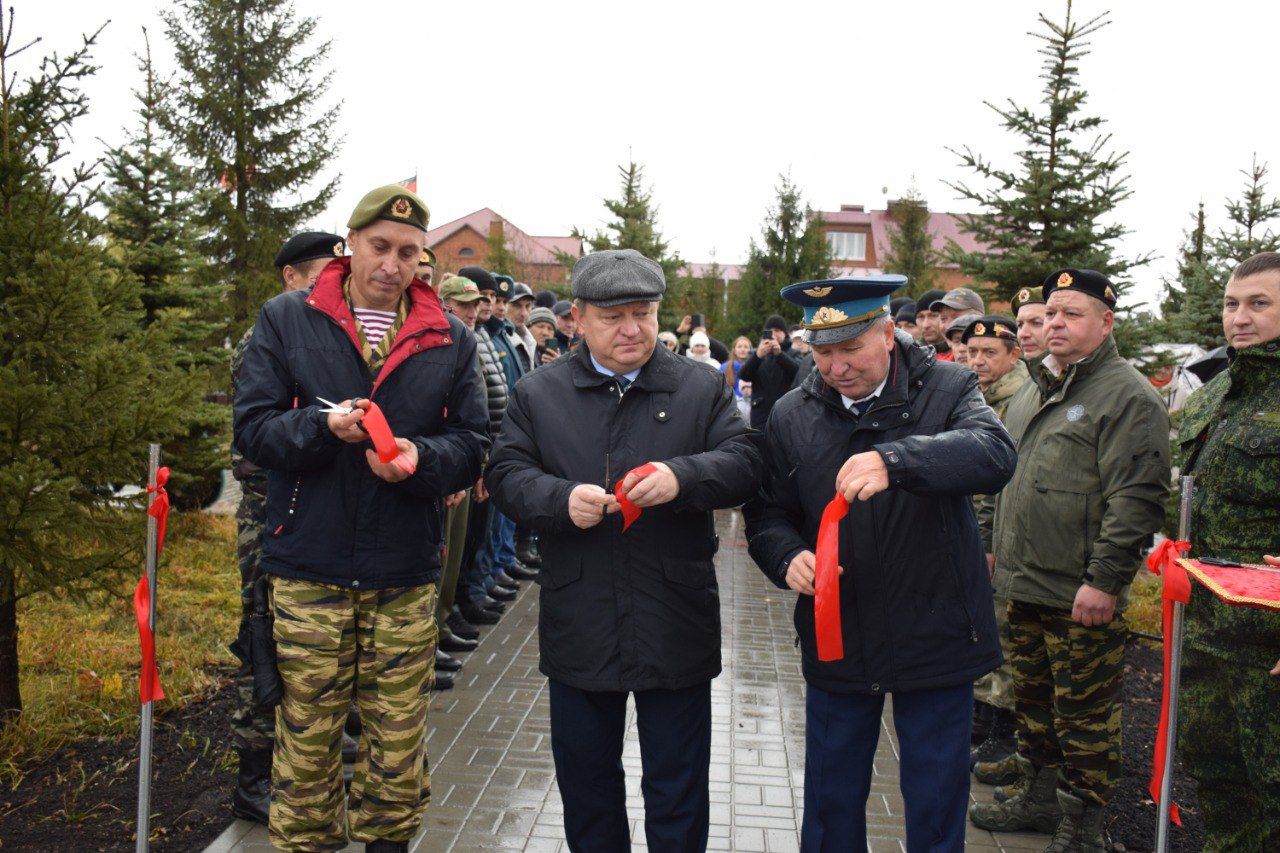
x: 600, y: 368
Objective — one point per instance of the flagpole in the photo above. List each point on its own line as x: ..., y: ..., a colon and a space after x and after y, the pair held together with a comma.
x: 144, y: 740
x: 1175, y: 677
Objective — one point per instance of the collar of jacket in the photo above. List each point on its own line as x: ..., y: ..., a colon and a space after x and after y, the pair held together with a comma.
x: 493, y: 326
x: 1105, y: 354
x: 658, y: 374
x: 1003, y: 388
x: 426, y: 326
x: 1254, y: 367
x: 915, y: 358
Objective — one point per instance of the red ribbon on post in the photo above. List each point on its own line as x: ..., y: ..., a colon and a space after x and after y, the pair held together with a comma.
x: 149, y: 689
x: 1176, y: 587
x: 384, y: 441
x: 630, y: 512
x: 826, y: 582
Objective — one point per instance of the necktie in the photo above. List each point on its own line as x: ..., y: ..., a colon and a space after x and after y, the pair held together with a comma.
x: 623, y: 382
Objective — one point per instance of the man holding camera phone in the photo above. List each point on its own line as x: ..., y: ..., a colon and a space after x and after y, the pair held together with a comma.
x: 771, y: 370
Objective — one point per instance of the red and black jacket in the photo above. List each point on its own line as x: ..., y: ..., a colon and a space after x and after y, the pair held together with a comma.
x: 329, y: 518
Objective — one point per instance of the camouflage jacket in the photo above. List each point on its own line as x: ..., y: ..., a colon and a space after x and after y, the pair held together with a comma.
x: 1230, y: 442
x: 998, y: 396
x: 1088, y: 493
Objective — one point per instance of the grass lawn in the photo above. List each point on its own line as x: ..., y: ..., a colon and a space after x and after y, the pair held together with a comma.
x: 80, y: 659
x: 1144, y: 603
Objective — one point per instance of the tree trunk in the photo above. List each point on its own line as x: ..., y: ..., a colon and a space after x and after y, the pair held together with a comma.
x: 10, y: 697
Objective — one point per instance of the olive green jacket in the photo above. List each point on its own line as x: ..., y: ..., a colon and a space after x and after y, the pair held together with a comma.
x: 1230, y: 442
x: 998, y: 396
x: 1093, y: 472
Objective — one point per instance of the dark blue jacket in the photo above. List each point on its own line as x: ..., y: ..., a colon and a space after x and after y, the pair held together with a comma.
x: 329, y: 518
x: 500, y: 332
x: 915, y: 599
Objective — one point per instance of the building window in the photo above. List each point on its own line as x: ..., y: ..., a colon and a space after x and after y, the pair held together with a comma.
x: 847, y: 245
x: 465, y: 252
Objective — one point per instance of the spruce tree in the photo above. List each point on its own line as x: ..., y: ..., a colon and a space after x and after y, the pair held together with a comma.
x: 251, y: 116
x: 82, y: 387
x: 911, y: 251
x: 1052, y: 207
x: 498, y: 256
x: 1192, y: 255
x: 792, y: 248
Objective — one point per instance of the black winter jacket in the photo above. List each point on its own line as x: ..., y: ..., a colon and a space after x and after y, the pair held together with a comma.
x: 915, y: 600
x: 770, y: 378
x: 638, y: 610
x: 495, y: 380
x: 329, y: 518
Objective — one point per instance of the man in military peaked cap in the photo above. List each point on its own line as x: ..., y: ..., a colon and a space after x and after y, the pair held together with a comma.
x: 626, y: 613
x: 904, y: 438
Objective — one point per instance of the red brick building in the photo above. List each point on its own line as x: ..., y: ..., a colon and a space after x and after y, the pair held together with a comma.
x: 859, y: 241
x: 465, y: 242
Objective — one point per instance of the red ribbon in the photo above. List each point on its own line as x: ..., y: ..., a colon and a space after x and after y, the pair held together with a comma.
x: 826, y: 582
x: 1176, y: 587
x: 384, y: 442
x: 149, y: 689
x: 630, y: 512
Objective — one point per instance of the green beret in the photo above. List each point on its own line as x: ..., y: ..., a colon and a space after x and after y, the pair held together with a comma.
x: 1027, y: 296
x: 428, y: 257
x: 393, y: 203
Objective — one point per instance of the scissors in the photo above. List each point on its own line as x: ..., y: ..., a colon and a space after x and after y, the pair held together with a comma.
x: 334, y: 408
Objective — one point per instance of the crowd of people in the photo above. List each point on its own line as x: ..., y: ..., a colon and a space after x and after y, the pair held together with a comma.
x: 997, y: 479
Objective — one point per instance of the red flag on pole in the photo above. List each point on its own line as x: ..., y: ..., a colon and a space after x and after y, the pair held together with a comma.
x: 149, y: 688
x: 411, y: 184
x: 1176, y: 587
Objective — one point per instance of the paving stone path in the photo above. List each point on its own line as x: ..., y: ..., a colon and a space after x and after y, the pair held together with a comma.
x: 489, y: 740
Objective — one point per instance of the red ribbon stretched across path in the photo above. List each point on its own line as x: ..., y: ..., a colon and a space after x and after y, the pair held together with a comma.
x: 149, y: 688
x: 630, y: 512
x: 826, y: 582
x: 1176, y: 587
x: 384, y: 441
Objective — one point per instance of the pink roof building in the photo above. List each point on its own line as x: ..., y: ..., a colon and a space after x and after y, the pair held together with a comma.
x: 465, y: 242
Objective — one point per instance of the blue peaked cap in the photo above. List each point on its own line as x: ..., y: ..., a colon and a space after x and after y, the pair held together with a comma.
x: 838, y: 309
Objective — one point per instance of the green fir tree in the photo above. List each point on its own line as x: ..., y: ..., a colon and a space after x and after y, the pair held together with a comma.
x: 250, y: 114
x: 499, y: 258
x: 83, y: 386
x: 1054, y: 205
x: 792, y: 248
x: 911, y: 251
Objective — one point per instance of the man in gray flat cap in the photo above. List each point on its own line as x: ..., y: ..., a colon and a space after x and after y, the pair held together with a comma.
x: 635, y: 611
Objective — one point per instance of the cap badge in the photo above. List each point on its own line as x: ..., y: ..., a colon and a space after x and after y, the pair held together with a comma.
x: 979, y: 329
x: 818, y: 292
x: 504, y: 287
x: 1065, y: 280
x: 470, y: 287
x: 401, y: 208
x: 337, y: 249
x: 1111, y: 294
x: 1024, y: 294
x: 827, y: 314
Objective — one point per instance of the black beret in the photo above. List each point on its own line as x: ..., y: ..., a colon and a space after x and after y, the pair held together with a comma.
x: 481, y: 276
x: 928, y: 298
x: 992, y: 326
x: 1091, y: 282
x: 308, y: 246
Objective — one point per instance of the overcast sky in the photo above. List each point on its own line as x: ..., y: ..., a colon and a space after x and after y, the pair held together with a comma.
x: 528, y: 108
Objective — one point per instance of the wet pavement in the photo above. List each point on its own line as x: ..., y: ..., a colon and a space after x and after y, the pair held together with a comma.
x: 493, y: 780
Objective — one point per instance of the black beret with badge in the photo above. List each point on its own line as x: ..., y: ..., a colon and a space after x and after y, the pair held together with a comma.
x: 1090, y: 282
x: 392, y: 203
x: 308, y: 246
x: 616, y: 277
x: 992, y: 326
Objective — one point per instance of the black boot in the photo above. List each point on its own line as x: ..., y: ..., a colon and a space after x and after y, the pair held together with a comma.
x: 452, y: 643
x: 446, y: 663
x: 981, y: 722
x: 387, y: 847
x: 477, y: 615
x: 252, y: 799
x: 443, y: 681
x: 501, y: 593
x: 1000, y: 742
x: 527, y: 555
x: 460, y: 627
x: 521, y: 572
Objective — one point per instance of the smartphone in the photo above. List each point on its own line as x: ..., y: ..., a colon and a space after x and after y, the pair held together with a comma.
x: 766, y: 335
x: 553, y: 344
x: 698, y: 322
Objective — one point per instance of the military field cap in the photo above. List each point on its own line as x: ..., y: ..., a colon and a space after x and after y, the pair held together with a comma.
x: 960, y: 325
x: 393, y: 203
x: 960, y: 299
x: 991, y: 326
x: 1027, y: 296
x: 839, y: 309
x: 506, y: 285
x: 562, y: 308
x: 459, y: 289
x: 308, y: 246
x: 542, y: 315
x: 519, y: 291
x: 1091, y: 282
x: 482, y: 277
x: 616, y: 277
x: 926, y: 300
x: 428, y: 257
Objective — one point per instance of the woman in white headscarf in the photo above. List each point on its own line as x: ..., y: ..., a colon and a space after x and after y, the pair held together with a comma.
x: 700, y: 349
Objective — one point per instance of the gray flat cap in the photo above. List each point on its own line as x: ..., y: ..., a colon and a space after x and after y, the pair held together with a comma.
x: 616, y: 277
x: 541, y: 315
x: 562, y: 308
x: 961, y: 299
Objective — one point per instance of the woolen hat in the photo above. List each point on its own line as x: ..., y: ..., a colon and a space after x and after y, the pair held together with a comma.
x: 542, y: 315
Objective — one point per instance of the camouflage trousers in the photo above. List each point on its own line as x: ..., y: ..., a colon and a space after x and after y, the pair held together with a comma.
x: 333, y: 642
x: 1229, y: 740
x: 455, y: 528
x: 252, y: 727
x: 996, y: 687
x: 1066, y: 685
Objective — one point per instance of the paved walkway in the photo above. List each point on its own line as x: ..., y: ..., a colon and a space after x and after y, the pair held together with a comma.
x: 489, y: 740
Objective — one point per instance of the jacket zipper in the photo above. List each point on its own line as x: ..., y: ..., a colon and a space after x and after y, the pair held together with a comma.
x: 608, y: 464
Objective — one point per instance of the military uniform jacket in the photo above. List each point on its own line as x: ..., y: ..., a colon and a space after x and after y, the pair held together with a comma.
x: 1230, y: 441
x: 915, y: 601
x: 638, y: 610
x: 998, y: 396
x: 330, y: 519
x: 1093, y: 472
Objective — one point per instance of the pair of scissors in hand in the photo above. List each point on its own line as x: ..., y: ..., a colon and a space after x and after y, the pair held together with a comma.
x: 335, y: 409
